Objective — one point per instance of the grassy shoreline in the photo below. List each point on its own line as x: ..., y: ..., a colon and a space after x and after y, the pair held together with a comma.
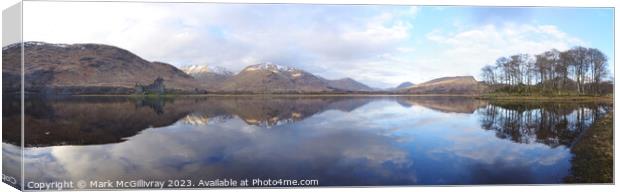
x: 547, y: 98
x: 594, y: 154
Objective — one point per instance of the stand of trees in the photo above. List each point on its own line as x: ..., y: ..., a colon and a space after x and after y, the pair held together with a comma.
x: 577, y: 71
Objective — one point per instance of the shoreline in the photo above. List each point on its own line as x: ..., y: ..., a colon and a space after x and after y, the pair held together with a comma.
x: 549, y: 98
x: 481, y: 97
x: 269, y: 94
x: 594, y: 154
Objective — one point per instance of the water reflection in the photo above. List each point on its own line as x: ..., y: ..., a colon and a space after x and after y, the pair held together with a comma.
x: 447, y: 104
x: 347, y: 141
x: 11, y: 139
x: 101, y: 120
x: 551, y: 124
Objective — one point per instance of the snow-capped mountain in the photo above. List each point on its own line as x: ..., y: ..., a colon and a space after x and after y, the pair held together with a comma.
x: 291, y: 72
x: 209, y: 76
x: 201, y: 69
x: 270, y: 67
x: 274, y: 78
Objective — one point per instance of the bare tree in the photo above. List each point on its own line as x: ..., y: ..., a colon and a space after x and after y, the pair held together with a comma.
x: 580, y: 70
x: 580, y: 65
x: 528, y: 69
x: 599, y: 68
x: 541, y: 67
x: 562, y: 69
x: 553, y: 60
x: 502, y: 64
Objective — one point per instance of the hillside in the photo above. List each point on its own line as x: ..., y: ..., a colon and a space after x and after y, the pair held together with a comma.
x: 404, y: 85
x: 348, y: 84
x: 401, y: 86
x: 447, y: 85
x: 88, y: 69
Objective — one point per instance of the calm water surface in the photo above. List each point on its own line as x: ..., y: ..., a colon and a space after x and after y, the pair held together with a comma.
x: 345, y: 141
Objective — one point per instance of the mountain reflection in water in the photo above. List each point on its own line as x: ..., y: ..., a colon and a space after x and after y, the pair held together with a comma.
x: 339, y: 140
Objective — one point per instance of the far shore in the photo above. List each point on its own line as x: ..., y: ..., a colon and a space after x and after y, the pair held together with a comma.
x: 280, y: 95
x: 606, y: 98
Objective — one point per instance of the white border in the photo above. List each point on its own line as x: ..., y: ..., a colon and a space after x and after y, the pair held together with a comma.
x: 562, y: 3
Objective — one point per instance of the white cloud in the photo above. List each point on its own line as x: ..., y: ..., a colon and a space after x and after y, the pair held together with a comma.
x: 243, y: 149
x: 331, y: 41
x: 368, y: 43
x: 462, y: 52
x: 376, y: 32
x: 466, y: 51
x: 413, y: 10
x: 160, y: 31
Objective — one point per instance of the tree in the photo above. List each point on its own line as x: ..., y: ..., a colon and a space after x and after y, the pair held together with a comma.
x: 579, y: 70
x: 562, y: 69
x: 541, y: 66
x: 515, y: 69
x: 488, y: 74
x: 553, y: 59
x: 599, y: 68
x: 528, y: 69
x: 502, y: 64
x: 580, y: 65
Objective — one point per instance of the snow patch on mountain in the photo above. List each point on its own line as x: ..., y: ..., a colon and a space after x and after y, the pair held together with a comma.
x: 297, y: 74
x: 268, y: 66
x: 201, y: 69
x: 36, y: 43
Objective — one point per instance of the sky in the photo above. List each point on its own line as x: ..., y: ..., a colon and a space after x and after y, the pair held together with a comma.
x: 378, y: 45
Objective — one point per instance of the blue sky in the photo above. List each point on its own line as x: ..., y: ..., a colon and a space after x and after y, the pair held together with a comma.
x: 379, y: 45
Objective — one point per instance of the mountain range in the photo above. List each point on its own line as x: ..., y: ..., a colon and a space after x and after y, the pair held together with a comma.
x: 105, y: 69
x: 270, y: 78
